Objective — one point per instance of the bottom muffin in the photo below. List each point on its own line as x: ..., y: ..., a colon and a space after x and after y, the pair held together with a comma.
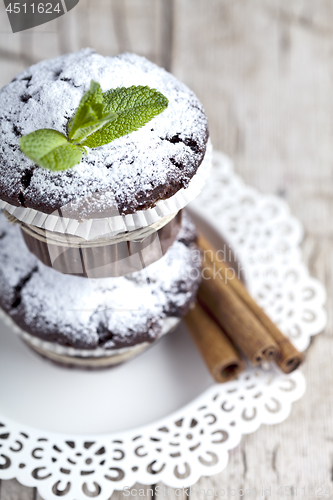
x: 96, y: 322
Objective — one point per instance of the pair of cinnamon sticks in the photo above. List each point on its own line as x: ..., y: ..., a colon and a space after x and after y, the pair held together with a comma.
x: 227, y: 321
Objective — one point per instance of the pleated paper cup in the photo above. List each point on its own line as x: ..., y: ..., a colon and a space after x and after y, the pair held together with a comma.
x: 111, y: 246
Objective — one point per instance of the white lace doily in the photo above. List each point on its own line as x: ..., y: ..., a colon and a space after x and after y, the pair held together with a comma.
x: 195, y: 441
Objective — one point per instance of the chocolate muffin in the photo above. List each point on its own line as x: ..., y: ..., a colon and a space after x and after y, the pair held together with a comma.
x: 94, y: 323
x: 139, y: 169
x: 123, y: 197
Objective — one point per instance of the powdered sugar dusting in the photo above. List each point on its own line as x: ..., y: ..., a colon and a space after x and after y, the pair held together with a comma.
x: 166, y: 152
x: 109, y: 313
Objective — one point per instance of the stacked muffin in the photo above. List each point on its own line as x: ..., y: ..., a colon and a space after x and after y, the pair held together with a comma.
x: 99, y: 261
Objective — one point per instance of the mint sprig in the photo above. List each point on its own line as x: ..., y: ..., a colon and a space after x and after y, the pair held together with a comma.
x: 99, y: 119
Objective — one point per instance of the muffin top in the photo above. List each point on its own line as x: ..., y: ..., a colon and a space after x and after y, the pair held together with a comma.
x: 133, y: 172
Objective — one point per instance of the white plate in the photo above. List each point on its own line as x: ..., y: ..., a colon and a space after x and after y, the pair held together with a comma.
x: 160, y: 417
x: 155, y: 384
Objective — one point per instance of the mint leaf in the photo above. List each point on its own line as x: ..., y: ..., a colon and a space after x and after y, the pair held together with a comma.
x: 135, y: 106
x: 90, y: 105
x: 90, y: 115
x: 50, y: 149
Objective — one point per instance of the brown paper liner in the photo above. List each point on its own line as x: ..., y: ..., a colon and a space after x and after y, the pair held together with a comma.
x: 241, y: 326
x: 288, y: 357
x: 106, y: 261
x: 220, y: 356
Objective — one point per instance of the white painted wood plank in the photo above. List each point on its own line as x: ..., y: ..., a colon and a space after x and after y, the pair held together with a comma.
x: 137, y: 492
x: 12, y: 490
x: 264, y: 76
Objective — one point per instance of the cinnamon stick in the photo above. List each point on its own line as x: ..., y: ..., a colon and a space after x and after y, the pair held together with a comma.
x: 220, y: 356
x: 241, y: 326
x: 288, y: 357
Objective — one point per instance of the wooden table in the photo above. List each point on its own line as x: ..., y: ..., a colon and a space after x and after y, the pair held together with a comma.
x: 264, y: 72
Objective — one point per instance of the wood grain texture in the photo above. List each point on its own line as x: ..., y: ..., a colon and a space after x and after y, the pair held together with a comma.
x: 263, y: 70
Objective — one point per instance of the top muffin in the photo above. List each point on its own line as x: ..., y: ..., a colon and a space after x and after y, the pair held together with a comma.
x: 138, y: 169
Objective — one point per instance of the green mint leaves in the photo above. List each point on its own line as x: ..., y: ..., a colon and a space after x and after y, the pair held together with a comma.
x: 50, y: 149
x: 133, y: 106
x: 99, y: 119
x: 90, y: 116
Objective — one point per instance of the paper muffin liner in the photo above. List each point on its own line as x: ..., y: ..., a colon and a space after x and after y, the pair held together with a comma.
x: 90, y: 229
x: 111, y: 259
x: 60, y: 353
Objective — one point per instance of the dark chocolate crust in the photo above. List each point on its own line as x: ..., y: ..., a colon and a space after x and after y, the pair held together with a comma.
x: 84, y: 314
x: 138, y: 170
